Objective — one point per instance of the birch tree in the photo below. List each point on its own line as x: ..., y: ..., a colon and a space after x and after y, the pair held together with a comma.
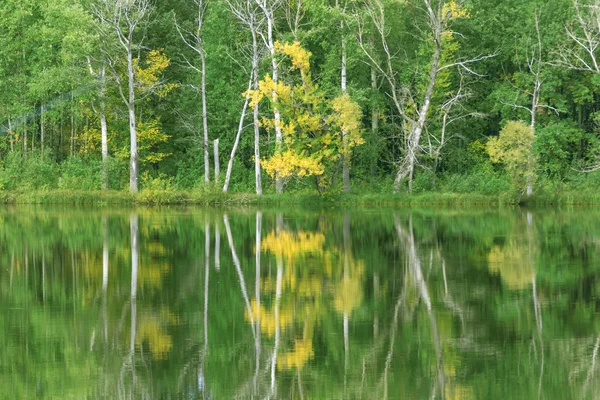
x: 100, y: 75
x: 268, y: 8
x: 248, y: 15
x: 583, y: 51
x: 124, y: 18
x: 194, y: 40
x: 413, y: 106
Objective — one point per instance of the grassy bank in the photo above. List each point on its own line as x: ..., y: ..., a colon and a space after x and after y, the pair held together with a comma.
x: 171, y: 197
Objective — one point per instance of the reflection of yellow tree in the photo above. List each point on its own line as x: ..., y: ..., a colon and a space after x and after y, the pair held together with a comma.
x: 512, y: 262
x: 308, y: 266
x: 153, y: 330
x: 515, y: 260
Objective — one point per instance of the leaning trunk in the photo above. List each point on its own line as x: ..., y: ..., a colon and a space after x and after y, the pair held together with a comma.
x: 237, y: 138
x: 407, y: 166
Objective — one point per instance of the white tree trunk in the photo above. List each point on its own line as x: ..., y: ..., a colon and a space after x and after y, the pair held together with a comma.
x: 255, y: 117
x: 408, y: 165
x: 374, y: 120
x: 11, y: 136
x: 204, y: 116
x: 216, y: 158
x: 133, y: 160
x: 275, y: 75
x: 237, y: 138
x: 344, y: 87
x: 103, y: 129
x: 42, y: 127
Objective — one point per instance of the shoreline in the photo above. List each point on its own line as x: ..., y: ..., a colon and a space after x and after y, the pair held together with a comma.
x: 197, y: 198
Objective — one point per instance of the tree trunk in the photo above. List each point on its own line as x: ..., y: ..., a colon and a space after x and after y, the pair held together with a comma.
x: 255, y: 117
x: 204, y: 116
x: 275, y: 73
x: 25, y: 138
x: 72, y: 126
x: 344, y: 84
x: 133, y: 161
x: 42, y: 127
x: 11, y: 136
x: 408, y: 164
x: 237, y: 139
x: 216, y: 156
x: 374, y: 121
x: 103, y: 130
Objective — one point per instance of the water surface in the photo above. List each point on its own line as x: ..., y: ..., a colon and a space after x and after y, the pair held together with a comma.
x: 299, y: 304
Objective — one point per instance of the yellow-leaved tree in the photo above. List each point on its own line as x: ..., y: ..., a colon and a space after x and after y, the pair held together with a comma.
x: 514, y: 149
x: 312, y: 124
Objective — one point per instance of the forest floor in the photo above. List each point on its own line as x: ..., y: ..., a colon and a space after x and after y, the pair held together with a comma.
x: 172, y: 197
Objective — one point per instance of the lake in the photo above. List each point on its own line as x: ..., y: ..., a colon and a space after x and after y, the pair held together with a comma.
x: 381, y: 303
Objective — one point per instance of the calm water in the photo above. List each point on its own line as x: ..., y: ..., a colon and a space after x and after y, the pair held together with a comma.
x: 302, y: 304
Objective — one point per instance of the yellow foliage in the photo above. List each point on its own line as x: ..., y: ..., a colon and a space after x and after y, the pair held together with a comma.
x: 290, y: 163
x: 452, y: 11
x: 311, y: 124
x: 149, y: 78
x: 150, y: 135
x: 514, y: 148
x: 299, y: 56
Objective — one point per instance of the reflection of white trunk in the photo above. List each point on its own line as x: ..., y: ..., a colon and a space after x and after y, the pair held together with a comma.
x: 346, y: 234
x: 206, y: 278
x: 134, y: 226
x: 217, y: 247
x: 414, y: 264
x: 257, y: 295
x: 394, y: 329
x: 236, y: 262
x: 104, y: 254
x: 44, y: 275
x: 277, y: 327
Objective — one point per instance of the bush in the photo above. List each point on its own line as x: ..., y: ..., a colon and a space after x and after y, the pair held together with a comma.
x: 483, y: 180
x: 39, y: 172
x: 81, y: 174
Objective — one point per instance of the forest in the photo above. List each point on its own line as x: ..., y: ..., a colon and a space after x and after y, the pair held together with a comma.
x: 490, y: 97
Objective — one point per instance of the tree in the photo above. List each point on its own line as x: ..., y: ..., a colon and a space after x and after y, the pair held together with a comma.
x: 413, y: 105
x: 514, y: 149
x: 194, y: 40
x: 124, y: 17
x: 311, y: 124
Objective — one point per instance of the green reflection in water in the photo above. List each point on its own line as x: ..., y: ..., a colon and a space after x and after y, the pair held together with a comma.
x: 361, y: 304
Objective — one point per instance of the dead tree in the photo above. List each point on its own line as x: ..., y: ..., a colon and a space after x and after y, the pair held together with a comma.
x: 438, y: 17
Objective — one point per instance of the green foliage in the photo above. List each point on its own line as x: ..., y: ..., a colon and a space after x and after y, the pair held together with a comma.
x: 558, y: 146
x: 80, y: 174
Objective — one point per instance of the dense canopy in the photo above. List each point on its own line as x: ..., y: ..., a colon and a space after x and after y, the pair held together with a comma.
x: 253, y: 95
